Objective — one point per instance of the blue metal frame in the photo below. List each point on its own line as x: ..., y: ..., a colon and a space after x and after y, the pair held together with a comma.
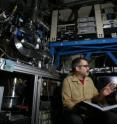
x: 86, y: 47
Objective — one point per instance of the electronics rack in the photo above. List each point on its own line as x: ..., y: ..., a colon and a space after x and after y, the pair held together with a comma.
x: 39, y: 74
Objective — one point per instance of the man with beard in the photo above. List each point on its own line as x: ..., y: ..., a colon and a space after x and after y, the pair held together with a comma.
x: 79, y: 87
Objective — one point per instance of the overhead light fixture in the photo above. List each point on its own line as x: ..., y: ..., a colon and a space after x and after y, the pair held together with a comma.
x: 81, y: 2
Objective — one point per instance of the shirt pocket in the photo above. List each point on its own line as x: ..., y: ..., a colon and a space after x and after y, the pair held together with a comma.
x: 76, y: 90
x: 88, y: 91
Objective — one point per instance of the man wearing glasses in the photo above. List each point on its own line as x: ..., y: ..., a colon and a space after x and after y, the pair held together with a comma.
x: 78, y: 87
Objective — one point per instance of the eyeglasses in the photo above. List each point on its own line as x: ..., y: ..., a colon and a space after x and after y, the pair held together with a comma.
x: 86, y: 66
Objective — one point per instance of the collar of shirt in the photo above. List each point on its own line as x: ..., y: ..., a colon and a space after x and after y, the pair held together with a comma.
x: 75, y: 78
x: 82, y: 81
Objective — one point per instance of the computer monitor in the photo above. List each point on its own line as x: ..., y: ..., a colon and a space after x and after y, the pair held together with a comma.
x: 101, y: 80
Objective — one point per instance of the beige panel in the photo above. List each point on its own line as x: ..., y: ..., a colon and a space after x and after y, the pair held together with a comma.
x: 99, y: 24
x: 53, y: 34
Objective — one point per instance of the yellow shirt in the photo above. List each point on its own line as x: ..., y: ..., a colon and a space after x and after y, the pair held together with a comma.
x: 73, y: 91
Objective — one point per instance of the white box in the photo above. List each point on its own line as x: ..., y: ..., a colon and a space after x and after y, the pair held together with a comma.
x: 83, y: 19
x: 86, y: 30
x: 91, y: 18
x: 86, y: 24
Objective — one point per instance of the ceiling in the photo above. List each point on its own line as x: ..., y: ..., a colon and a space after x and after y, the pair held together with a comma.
x: 43, y: 8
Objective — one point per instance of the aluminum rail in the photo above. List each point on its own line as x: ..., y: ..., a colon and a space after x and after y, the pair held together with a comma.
x: 12, y: 66
x: 34, y: 71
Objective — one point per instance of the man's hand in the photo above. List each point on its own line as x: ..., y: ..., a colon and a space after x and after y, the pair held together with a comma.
x: 108, y: 89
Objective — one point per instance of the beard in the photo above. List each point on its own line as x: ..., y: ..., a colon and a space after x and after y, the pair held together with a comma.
x: 85, y: 74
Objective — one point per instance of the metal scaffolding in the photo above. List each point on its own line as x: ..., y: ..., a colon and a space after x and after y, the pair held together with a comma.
x: 85, y: 47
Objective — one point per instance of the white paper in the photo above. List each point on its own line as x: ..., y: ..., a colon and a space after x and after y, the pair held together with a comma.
x: 102, y: 108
